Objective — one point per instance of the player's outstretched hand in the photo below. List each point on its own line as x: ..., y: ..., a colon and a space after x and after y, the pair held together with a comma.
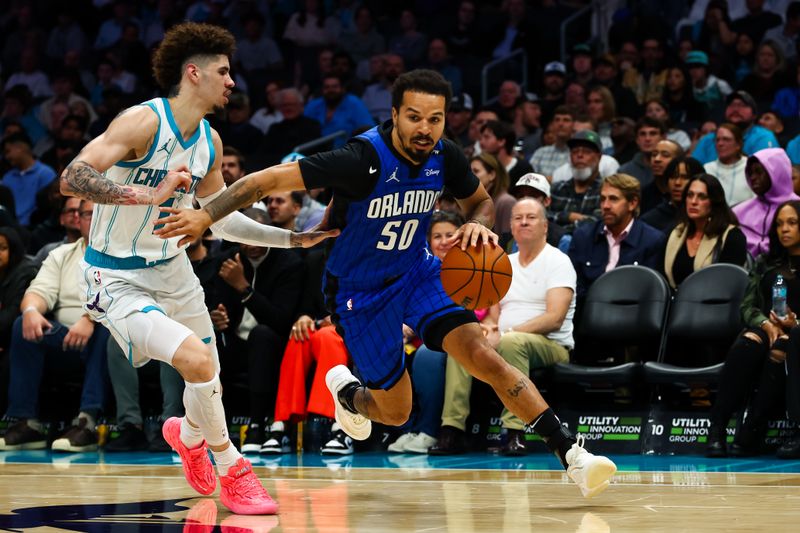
x: 191, y: 223
x: 471, y: 233
x: 179, y: 178
x: 312, y: 237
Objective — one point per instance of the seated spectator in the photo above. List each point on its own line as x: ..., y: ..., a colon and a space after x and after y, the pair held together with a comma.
x: 313, y: 342
x: 664, y: 216
x: 649, y: 132
x: 338, y: 111
x: 576, y: 200
x: 67, y: 142
x: 508, y: 95
x: 31, y: 75
x: 531, y: 327
x: 237, y: 131
x: 706, y: 233
x: 259, y: 292
x: 785, y: 36
x: 498, y: 139
x: 623, y: 135
x: 295, y: 129
x: 608, y: 165
x: 378, y: 96
x: 64, y: 83
x: 68, y: 335
x: 728, y: 168
x: 787, y: 100
x: 602, y: 109
x: 125, y: 383
x: 27, y: 176
x: 553, y: 83
x: 756, y: 364
x: 706, y: 88
x: 439, y: 60
x: 18, y: 108
x: 457, y: 123
x: 769, y: 174
x: 410, y: 44
x: 768, y: 74
x: 618, y: 239
x: 678, y: 95
x: 773, y: 121
x: 364, y: 41
x: 16, y: 272
x: 256, y: 53
x: 664, y: 151
x: 741, y: 111
x: 527, y: 124
x: 537, y: 187
x: 69, y: 222
x: 659, y: 110
x: 495, y: 180
x: 268, y: 115
x: 547, y: 159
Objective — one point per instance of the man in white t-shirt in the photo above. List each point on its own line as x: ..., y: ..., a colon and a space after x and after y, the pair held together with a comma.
x: 532, y: 325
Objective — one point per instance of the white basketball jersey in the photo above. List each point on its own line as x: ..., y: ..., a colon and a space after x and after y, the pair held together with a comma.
x: 125, y: 231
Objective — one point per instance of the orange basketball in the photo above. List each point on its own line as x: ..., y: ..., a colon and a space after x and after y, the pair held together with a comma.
x: 478, y: 277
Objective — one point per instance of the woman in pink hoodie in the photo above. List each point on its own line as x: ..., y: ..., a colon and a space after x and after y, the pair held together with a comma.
x: 769, y: 174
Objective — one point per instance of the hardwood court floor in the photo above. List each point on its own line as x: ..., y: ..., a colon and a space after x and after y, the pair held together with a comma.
x: 370, y: 492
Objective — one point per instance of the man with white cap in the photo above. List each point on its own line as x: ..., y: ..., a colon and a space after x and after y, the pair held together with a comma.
x: 536, y: 186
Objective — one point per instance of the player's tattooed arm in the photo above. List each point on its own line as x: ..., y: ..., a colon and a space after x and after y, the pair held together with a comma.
x: 241, y: 194
x: 84, y: 181
x: 518, y: 387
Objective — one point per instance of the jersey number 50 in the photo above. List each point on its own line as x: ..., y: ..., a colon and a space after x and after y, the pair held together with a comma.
x: 392, y: 229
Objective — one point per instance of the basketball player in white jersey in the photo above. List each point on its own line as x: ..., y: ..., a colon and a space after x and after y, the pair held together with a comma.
x: 141, y: 287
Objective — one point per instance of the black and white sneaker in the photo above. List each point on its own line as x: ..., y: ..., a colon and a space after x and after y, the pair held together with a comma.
x: 277, y: 442
x: 253, y: 438
x: 340, y: 443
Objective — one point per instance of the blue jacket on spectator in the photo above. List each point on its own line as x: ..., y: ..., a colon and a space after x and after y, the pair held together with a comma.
x: 588, y: 251
x: 755, y: 138
x: 793, y: 150
x: 350, y: 114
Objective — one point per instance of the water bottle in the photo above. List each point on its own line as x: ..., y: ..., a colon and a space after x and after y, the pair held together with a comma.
x: 779, y: 297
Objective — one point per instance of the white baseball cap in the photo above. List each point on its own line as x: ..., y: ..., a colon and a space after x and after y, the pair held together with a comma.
x: 537, y: 181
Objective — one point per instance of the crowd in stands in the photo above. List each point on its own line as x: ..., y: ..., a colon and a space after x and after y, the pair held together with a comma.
x: 672, y: 146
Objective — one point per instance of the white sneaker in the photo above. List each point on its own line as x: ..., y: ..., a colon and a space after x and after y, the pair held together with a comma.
x: 357, y: 426
x: 340, y: 444
x: 420, y: 443
x: 590, y: 472
x: 399, y: 446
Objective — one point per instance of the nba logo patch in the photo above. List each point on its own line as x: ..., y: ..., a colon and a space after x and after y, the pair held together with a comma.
x: 350, y: 304
x: 97, y: 279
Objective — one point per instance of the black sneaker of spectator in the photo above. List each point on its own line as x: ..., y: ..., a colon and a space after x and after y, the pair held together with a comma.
x: 78, y: 438
x: 277, y: 442
x: 130, y: 439
x: 21, y: 436
x: 158, y: 444
x: 254, y: 438
x: 340, y: 444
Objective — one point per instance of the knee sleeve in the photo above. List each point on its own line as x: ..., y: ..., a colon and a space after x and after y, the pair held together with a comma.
x: 155, y: 335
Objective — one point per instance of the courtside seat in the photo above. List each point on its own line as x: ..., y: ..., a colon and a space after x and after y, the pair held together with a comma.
x: 705, y: 312
x: 624, y: 308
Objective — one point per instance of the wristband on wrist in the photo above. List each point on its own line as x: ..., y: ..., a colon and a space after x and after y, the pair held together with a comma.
x: 29, y: 309
x: 247, y: 294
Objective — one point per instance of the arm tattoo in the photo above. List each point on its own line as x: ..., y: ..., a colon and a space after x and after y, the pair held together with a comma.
x: 85, y: 182
x: 295, y: 240
x: 243, y: 193
x: 518, y: 387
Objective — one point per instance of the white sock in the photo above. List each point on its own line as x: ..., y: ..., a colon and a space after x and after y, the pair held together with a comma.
x: 226, y: 459
x: 204, y: 407
x: 90, y: 421
x: 191, y: 436
x: 277, y: 426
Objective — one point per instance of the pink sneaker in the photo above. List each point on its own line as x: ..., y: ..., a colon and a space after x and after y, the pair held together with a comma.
x: 242, y: 492
x: 197, y: 467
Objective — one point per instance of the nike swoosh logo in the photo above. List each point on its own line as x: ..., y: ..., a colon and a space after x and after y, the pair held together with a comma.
x: 372, y: 170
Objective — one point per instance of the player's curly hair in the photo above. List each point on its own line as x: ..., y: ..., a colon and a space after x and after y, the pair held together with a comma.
x: 184, y: 41
x: 421, y: 81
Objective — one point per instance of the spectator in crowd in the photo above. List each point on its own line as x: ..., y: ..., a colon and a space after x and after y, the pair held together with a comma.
x: 496, y: 181
x: 728, y: 168
x: 69, y: 139
x: 787, y: 99
x: 17, y: 108
x: 581, y: 63
x: 508, y: 96
x: 714, y: 32
x: 537, y: 187
x: 459, y: 115
x: 648, y: 80
x: 16, y: 272
x: 27, y: 176
x: 337, y: 110
x: 283, y: 208
x: 66, y: 35
x: 757, y: 20
x: 232, y: 165
x: 236, y: 130
x: 575, y: 97
x: 463, y: 36
x: 676, y: 175
x: 410, y: 44
x: 266, y: 116
x: 31, y: 76
x: 601, y: 109
x: 131, y: 53
x: 619, y: 238
x: 769, y: 174
x: 531, y: 327
x: 654, y: 193
x: 498, y: 139
x: 554, y: 82
x: 741, y: 111
x: 548, y: 158
x: 294, y: 130
x: 575, y: 201
x: 707, y: 231
x: 744, y: 56
x: 111, y: 29
x: 377, y: 96
x: 64, y: 92
x: 768, y: 76
x: 657, y: 109
x: 785, y: 37
x: 515, y: 29
x: 649, y: 132
x: 259, y: 294
x: 364, y: 41
x: 68, y: 231
x: 68, y: 335
x: 480, y: 119
x: 623, y: 137
x: 527, y: 124
x: 440, y: 61
x: 606, y: 74
x: 608, y: 165
x: 309, y: 30
x: 758, y: 358
x: 773, y: 121
x: 429, y: 369
x: 706, y: 88
x: 256, y: 54
x: 679, y: 96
